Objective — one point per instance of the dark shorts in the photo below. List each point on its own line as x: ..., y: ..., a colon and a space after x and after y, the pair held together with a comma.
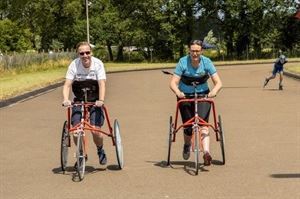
x: 96, y: 116
x: 187, y: 111
x: 277, y: 69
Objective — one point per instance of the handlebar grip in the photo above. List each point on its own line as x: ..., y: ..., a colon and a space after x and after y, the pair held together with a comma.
x: 198, y: 95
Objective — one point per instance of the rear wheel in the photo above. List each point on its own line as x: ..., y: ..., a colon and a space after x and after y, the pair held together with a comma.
x: 221, y: 139
x: 64, y: 147
x: 118, y: 144
x: 80, y: 156
x: 196, y: 151
x: 169, y: 140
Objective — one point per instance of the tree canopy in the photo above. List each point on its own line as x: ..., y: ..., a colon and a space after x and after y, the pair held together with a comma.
x: 156, y: 28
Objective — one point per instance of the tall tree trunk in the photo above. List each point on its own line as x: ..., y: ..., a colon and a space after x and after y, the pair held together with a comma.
x: 120, y: 56
x: 110, y: 53
x: 181, y: 50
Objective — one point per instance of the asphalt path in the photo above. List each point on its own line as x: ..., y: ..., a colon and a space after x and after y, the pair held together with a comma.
x: 261, y: 126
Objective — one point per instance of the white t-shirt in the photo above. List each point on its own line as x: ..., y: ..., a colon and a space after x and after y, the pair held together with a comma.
x: 77, y: 72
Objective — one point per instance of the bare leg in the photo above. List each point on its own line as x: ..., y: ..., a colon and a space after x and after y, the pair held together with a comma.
x: 280, y: 78
x: 205, y: 144
x: 205, y: 139
x: 98, y: 138
x: 268, y: 79
x: 271, y: 77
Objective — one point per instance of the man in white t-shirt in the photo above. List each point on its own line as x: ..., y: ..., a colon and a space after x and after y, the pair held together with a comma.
x: 87, y: 71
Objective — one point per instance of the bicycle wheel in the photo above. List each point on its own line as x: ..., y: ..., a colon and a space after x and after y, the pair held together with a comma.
x: 221, y: 139
x: 118, y: 144
x: 196, y: 151
x: 64, y: 147
x: 80, y: 156
x: 169, y: 141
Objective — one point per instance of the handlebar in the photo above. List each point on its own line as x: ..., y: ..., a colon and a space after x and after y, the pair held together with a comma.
x: 166, y: 72
x: 80, y: 104
x: 198, y: 95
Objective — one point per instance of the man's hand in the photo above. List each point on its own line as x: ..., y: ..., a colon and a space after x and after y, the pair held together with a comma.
x: 99, y: 103
x: 212, y: 94
x: 66, y: 103
x: 180, y: 95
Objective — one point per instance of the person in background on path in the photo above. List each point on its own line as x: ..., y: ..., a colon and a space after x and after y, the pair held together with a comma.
x: 190, y: 68
x: 87, y: 71
x: 278, y: 68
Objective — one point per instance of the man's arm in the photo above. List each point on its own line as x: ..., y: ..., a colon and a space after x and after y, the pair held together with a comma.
x: 217, y: 85
x: 174, y: 86
x: 102, y: 87
x: 66, y: 91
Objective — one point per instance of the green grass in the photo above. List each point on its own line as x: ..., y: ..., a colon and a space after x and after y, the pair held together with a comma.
x: 294, y: 68
x: 17, y: 84
x: 14, y: 83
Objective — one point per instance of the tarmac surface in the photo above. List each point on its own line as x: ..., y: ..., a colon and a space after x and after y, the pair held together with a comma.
x: 261, y: 126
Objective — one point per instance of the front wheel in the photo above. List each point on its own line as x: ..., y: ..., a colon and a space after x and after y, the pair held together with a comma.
x: 196, y: 151
x: 118, y: 144
x: 64, y: 147
x: 80, y: 156
x: 221, y: 139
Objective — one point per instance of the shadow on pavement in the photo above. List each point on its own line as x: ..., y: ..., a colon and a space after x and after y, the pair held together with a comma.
x: 273, y: 89
x: 71, y: 171
x: 88, y: 169
x: 238, y: 87
x: 187, y: 166
x: 285, y: 175
x: 217, y: 162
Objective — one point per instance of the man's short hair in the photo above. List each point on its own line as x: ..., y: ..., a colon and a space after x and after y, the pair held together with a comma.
x: 197, y: 42
x: 83, y: 43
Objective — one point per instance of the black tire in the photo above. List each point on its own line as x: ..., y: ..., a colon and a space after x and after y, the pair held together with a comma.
x: 64, y: 147
x: 169, y: 140
x: 80, y: 156
x: 221, y: 139
x: 118, y: 144
x: 196, y: 152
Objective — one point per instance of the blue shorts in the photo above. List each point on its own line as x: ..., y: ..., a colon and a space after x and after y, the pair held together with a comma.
x: 96, y: 116
x: 277, y: 69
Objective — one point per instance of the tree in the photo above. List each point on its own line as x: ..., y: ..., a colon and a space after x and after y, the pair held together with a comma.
x: 13, y: 38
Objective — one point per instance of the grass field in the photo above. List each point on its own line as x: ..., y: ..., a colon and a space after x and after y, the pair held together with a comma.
x: 14, y: 83
x: 294, y: 68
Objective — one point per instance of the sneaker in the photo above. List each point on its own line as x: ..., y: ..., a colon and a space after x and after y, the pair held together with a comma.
x: 207, y: 159
x: 102, y: 156
x: 186, y: 151
x: 266, y: 82
x: 280, y: 87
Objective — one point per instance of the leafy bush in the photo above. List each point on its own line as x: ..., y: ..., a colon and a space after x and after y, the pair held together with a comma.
x: 133, y: 56
x: 14, y: 38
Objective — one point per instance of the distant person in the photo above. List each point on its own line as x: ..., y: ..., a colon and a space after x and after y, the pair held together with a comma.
x: 87, y: 71
x: 193, y: 67
x: 278, y: 68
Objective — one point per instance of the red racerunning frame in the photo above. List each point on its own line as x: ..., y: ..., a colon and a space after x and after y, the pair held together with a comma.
x: 86, y: 120
x: 193, y: 120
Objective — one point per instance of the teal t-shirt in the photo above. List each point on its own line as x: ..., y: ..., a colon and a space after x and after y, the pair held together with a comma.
x: 184, y: 67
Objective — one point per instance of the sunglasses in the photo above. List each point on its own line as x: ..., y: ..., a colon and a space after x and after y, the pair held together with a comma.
x: 86, y: 52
